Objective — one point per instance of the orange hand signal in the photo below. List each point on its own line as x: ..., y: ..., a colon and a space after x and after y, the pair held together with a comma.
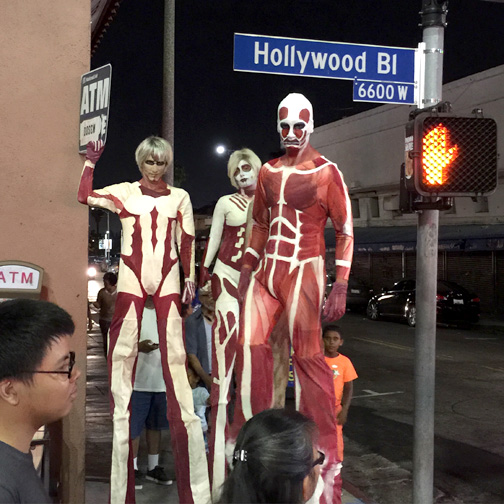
x: 437, y: 156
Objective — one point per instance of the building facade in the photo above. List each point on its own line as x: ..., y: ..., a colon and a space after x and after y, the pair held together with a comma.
x: 369, y: 149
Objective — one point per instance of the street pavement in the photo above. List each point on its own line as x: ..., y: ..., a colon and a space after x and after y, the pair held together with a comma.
x: 468, y: 449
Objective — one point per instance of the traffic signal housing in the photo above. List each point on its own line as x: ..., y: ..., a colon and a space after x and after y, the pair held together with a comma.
x: 449, y: 155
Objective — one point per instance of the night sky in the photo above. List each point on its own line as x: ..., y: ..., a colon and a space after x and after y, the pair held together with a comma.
x: 214, y: 104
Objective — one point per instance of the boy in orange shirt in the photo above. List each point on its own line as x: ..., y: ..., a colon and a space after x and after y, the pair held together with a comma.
x: 343, y: 375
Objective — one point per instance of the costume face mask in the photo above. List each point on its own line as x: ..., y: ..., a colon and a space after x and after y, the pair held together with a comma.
x: 295, y: 121
x: 244, y: 174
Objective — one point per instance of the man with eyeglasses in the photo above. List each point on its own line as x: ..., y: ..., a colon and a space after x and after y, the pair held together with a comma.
x: 157, y: 228
x: 38, y: 384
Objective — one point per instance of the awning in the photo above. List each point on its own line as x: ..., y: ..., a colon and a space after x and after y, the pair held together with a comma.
x: 102, y: 14
x: 403, y: 238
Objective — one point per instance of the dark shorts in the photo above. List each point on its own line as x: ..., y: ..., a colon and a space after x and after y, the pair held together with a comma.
x: 148, y: 409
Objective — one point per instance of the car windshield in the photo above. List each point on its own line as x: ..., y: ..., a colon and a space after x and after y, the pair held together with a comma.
x: 404, y: 285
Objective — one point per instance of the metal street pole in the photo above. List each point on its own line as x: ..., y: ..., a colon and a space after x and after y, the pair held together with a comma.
x: 433, y: 22
x: 169, y: 79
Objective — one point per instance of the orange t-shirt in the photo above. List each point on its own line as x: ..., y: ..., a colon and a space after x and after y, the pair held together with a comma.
x: 343, y: 372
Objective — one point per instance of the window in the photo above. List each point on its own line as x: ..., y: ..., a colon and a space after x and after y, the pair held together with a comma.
x: 355, y: 208
x: 374, y: 207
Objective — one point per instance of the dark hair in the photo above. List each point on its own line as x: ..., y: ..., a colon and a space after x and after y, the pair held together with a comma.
x: 27, y: 329
x: 110, y: 277
x: 331, y: 327
x: 278, y: 449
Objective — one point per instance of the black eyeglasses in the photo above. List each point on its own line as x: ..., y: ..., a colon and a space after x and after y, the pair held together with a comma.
x: 320, y: 459
x: 71, y: 364
x: 152, y: 163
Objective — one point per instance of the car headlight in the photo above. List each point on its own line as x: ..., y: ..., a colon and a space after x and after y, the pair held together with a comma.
x: 91, y: 272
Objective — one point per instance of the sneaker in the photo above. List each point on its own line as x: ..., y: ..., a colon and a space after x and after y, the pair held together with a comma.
x: 158, y: 475
x: 138, y: 480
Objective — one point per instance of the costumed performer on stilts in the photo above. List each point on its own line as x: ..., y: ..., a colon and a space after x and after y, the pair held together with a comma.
x: 227, y: 241
x: 295, y: 195
x: 157, y: 225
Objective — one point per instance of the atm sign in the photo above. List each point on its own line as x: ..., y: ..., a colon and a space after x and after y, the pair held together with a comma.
x: 15, y: 276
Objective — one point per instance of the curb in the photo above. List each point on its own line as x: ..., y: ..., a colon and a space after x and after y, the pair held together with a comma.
x: 356, y: 492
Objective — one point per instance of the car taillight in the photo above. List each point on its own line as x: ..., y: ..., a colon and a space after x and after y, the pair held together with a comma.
x: 475, y: 300
x: 441, y: 298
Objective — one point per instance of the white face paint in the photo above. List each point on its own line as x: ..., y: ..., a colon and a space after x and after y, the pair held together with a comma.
x: 244, y: 174
x: 295, y: 121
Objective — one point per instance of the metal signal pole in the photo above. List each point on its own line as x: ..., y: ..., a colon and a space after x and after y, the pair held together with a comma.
x: 169, y: 80
x: 433, y: 16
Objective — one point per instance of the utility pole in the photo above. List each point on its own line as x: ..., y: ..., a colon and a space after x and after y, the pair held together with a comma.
x: 433, y: 15
x: 169, y: 80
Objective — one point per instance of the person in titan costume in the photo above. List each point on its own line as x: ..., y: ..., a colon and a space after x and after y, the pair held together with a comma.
x: 283, y: 273
x: 157, y: 224
x: 227, y: 238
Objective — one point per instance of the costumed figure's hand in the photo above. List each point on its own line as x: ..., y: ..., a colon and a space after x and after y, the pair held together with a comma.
x: 204, y: 276
x: 243, y: 284
x: 147, y: 346
x: 189, y: 292
x: 94, y: 150
x: 335, y: 306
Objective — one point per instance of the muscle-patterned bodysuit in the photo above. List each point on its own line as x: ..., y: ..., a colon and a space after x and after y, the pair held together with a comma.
x: 290, y: 212
x: 227, y: 232
x: 154, y: 224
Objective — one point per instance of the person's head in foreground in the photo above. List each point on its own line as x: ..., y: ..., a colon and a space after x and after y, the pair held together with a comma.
x: 37, y: 373
x: 274, y: 460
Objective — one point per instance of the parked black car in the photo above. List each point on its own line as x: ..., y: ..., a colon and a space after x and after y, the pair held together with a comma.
x: 455, y: 304
x: 358, y: 292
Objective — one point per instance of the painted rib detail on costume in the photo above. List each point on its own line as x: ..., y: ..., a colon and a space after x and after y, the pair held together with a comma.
x: 238, y: 200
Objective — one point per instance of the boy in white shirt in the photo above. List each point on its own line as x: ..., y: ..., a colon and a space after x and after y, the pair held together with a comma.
x: 148, y: 401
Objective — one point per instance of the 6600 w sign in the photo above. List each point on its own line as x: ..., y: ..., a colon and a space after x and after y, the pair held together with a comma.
x: 384, y: 92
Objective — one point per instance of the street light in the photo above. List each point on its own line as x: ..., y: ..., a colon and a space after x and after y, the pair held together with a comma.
x: 220, y: 149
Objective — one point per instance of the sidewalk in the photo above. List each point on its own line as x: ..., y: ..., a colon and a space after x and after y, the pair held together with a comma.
x: 99, y: 442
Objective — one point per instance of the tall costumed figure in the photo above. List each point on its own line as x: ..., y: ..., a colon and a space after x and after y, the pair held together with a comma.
x: 283, y: 273
x: 227, y: 242
x: 158, y: 227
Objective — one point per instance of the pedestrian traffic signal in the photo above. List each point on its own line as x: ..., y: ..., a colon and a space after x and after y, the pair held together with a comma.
x: 448, y: 155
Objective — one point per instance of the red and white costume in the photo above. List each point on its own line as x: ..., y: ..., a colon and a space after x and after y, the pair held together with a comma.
x: 295, y: 194
x: 227, y: 237
x: 154, y: 224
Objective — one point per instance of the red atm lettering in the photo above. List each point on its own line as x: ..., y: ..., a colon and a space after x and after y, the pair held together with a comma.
x: 26, y: 279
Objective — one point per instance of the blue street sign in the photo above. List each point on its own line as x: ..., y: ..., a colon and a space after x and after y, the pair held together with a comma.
x: 313, y: 58
x: 384, y: 92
